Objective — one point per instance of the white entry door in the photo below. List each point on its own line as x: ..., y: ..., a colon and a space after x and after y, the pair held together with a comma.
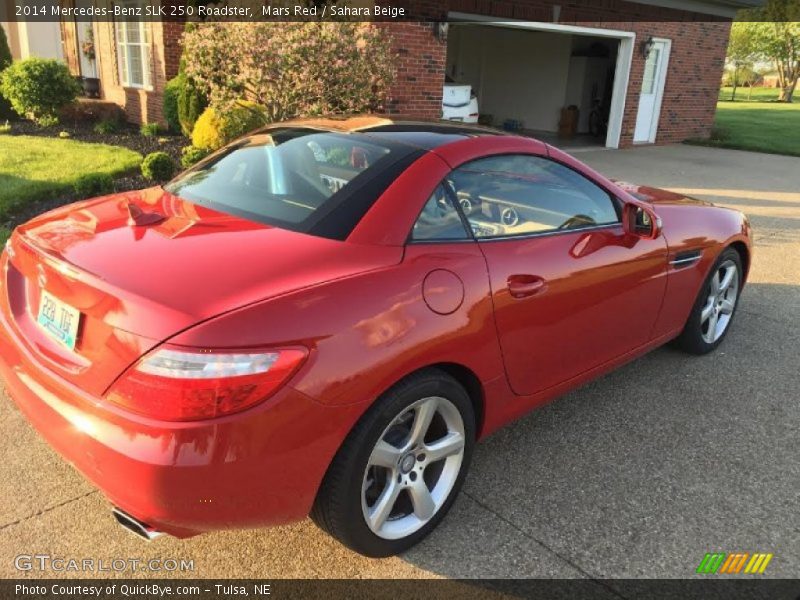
x: 653, y: 80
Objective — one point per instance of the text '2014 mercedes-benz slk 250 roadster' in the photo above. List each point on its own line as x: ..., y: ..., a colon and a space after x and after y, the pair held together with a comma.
x: 324, y: 317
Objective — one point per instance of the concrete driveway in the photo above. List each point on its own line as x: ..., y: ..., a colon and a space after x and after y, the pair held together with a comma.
x: 638, y: 474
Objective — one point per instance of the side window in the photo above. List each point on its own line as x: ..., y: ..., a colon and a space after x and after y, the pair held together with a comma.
x: 519, y: 194
x: 439, y: 219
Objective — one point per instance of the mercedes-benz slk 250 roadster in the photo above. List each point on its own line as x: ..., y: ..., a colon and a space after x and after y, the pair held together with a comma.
x: 324, y: 316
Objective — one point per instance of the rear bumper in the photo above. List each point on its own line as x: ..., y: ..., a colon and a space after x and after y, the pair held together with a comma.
x: 257, y: 468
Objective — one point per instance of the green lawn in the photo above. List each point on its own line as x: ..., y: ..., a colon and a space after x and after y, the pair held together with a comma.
x: 38, y: 168
x: 761, y: 124
x: 743, y: 94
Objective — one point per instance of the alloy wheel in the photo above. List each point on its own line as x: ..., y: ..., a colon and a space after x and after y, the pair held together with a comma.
x: 723, y: 292
x: 412, y: 468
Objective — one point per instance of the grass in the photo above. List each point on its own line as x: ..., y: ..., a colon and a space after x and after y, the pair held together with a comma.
x: 757, y: 94
x: 760, y: 125
x: 40, y: 168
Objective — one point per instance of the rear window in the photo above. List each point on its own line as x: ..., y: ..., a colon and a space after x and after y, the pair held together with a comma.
x: 287, y: 178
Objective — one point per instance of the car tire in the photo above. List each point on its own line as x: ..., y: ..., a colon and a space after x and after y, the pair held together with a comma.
x: 713, y: 305
x: 351, y: 501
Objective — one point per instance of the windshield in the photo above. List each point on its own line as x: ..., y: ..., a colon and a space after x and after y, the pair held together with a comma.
x: 288, y: 177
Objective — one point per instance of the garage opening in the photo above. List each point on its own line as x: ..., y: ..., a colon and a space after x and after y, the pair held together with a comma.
x: 559, y: 86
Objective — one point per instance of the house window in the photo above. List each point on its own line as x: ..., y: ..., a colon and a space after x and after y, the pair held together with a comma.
x: 133, y: 51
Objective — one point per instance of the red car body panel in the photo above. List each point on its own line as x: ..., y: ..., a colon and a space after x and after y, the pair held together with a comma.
x: 599, y: 296
x: 371, y: 309
x: 160, y: 273
x: 385, y: 322
x: 246, y: 470
x: 139, y: 286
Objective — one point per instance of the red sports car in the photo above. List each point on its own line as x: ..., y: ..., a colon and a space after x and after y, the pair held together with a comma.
x: 324, y: 317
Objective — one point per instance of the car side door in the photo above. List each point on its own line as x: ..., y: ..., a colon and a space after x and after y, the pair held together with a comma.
x: 571, y: 289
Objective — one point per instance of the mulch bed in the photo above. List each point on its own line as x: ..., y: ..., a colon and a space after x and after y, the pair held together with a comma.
x: 128, y: 136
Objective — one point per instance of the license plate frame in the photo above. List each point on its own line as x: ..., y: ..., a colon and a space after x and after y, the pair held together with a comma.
x: 58, y: 320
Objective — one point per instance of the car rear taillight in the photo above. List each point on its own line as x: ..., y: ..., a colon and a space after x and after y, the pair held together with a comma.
x: 176, y: 384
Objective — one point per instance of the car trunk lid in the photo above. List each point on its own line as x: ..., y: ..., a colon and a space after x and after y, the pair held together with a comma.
x: 136, y: 285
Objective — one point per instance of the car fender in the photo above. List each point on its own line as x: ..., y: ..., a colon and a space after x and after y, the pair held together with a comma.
x: 695, y: 229
x: 368, y: 331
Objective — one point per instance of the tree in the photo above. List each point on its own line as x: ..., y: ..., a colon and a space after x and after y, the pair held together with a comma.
x: 741, y: 52
x: 775, y: 33
x: 291, y: 68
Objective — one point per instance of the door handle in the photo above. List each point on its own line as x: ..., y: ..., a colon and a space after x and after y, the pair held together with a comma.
x: 523, y: 286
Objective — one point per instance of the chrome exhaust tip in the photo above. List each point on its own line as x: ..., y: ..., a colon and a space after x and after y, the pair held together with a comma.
x: 135, y: 526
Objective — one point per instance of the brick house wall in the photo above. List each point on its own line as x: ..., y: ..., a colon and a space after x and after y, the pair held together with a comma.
x: 696, y: 61
x: 140, y: 105
x: 420, y: 68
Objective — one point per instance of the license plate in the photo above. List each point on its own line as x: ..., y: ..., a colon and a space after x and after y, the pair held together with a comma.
x: 58, y: 319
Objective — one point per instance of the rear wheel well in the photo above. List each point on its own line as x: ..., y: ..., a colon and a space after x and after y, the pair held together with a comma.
x: 470, y: 382
x: 741, y: 248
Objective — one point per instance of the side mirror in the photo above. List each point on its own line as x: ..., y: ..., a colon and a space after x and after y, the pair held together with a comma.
x: 641, y: 221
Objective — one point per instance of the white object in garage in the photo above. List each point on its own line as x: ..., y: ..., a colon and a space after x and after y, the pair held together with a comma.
x: 459, y: 103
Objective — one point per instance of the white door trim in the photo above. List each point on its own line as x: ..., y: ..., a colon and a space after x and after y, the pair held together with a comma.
x: 622, y: 72
x: 660, y: 87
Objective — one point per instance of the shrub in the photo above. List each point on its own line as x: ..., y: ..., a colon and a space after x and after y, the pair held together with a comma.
x: 215, y: 129
x: 37, y: 88
x: 149, y: 129
x: 5, y: 51
x: 107, y: 126
x: 191, y: 104
x: 171, y: 91
x: 292, y: 68
x: 6, y: 112
x: 93, y: 184
x: 47, y: 121
x: 190, y: 99
x: 192, y: 154
x: 158, y: 166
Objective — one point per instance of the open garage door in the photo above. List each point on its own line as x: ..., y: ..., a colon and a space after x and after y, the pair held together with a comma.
x: 562, y: 84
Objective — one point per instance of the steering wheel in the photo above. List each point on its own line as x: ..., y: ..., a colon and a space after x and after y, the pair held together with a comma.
x: 577, y: 221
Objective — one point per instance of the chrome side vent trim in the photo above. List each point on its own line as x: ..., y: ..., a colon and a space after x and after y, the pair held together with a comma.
x: 686, y: 259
